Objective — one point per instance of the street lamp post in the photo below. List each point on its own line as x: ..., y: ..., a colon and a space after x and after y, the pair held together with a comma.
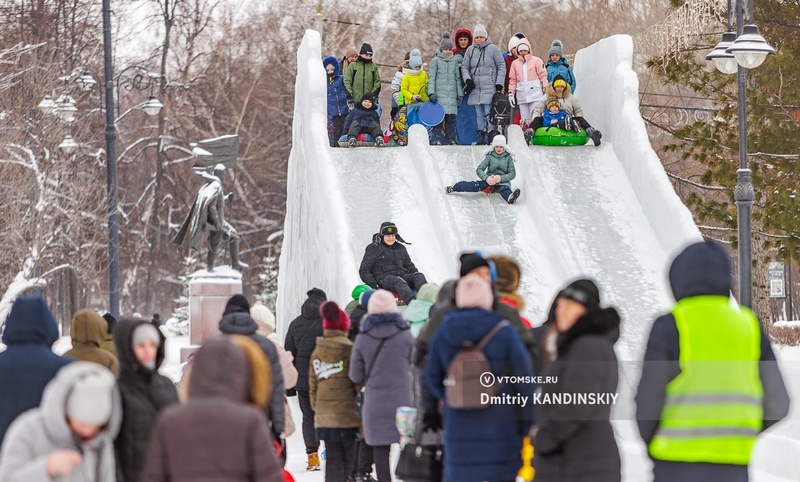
x: 748, y: 49
x: 111, y: 166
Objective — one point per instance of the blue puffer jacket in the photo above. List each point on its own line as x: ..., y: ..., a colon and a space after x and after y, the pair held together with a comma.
x: 363, y: 116
x: 482, y: 445
x: 28, y: 364
x: 561, y: 67
x: 337, y: 95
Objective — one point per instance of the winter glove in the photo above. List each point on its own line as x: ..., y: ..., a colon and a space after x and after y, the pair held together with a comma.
x: 376, y: 94
x: 469, y: 86
x: 499, y: 87
x: 350, y: 104
x: 511, y: 100
x: 431, y: 421
x: 416, y: 98
x: 432, y: 97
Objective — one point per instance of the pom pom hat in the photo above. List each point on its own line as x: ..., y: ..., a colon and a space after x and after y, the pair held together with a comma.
x: 480, y: 31
x: 556, y: 48
x: 446, y: 43
x: 333, y: 318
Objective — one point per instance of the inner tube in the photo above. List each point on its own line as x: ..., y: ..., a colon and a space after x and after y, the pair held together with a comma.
x: 553, y: 136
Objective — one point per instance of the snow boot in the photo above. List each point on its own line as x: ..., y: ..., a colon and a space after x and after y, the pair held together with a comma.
x: 351, y: 142
x: 365, y: 478
x: 313, y: 460
x: 481, y: 138
x: 448, y: 189
x: 594, y: 135
x: 379, y: 141
x: 513, y: 197
x: 528, y: 135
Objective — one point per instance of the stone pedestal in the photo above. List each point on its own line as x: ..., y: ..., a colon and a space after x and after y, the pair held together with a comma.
x: 209, y: 292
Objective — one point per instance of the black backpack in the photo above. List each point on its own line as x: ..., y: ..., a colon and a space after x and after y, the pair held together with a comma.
x: 500, y: 113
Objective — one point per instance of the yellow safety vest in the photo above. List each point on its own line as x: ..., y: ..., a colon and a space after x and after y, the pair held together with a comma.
x: 713, y: 410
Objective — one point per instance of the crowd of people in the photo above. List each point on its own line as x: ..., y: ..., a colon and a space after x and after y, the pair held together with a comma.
x: 471, y: 67
x: 103, y: 414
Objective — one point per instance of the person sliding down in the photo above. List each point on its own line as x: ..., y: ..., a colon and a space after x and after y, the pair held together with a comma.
x: 496, y: 172
x: 555, y: 117
x: 387, y: 265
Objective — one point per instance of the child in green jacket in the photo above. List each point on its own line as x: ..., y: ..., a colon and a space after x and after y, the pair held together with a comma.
x: 496, y: 172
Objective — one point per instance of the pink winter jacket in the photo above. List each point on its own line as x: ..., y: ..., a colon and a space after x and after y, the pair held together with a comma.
x: 528, y: 79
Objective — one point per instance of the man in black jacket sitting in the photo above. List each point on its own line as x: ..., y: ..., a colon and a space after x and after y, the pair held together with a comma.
x: 387, y: 265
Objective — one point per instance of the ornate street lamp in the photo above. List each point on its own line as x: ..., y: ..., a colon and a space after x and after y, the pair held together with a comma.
x: 748, y: 50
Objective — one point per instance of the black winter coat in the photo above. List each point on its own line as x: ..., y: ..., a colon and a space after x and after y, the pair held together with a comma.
x: 301, y: 338
x: 575, y: 442
x: 144, y: 394
x: 381, y: 260
x: 237, y: 321
x: 355, y: 321
x: 364, y: 117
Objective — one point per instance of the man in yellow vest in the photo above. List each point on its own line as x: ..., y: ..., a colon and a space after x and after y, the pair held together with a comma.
x: 710, y: 383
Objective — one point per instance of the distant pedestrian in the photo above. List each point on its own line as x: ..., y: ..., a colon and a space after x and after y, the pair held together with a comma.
x: 484, y: 71
x: 88, y: 331
x: 301, y: 339
x: 710, y: 383
x: 28, y: 363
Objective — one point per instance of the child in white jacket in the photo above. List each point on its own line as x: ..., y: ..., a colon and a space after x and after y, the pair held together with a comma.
x: 526, y: 82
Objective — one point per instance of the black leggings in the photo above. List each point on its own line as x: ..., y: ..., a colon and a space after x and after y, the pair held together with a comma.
x: 382, y: 467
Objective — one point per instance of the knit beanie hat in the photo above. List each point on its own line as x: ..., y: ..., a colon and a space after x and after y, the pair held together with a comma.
x: 559, y: 80
x: 520, y: 35
x: 237, y: 303
x: 480, y: 31
x: 366, y: 49
x: 111, y: 320
x: 513, y: 42
x: 472, y: 291
x: 499, y: 140
x: 264, y: 318
x: 446, y: 43
x: 523, y: 45
x: 553, y: 102
x: 415, y: 59
x: 585, y: 292
x: 428, y: 292
x: 471, y: 261
x: 333, y: 318
x: 144, y: 332
x: 368, y: 97
x: 350, y: 50
x: 90, y: 400
x: 555, y: 48
x: 381, y: 302
x: 363, y: 300
x: 358, y: 290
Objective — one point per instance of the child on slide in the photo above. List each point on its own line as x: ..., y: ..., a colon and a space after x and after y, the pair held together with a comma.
x: 555, y: 117
x: 496, y: 172
x: 364, y: 119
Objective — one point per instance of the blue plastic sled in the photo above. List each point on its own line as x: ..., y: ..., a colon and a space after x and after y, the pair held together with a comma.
x: 431, y: 113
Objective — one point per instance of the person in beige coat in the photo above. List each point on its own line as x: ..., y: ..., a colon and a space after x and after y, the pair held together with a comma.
x: 266, y: 328
x: 88, y: 332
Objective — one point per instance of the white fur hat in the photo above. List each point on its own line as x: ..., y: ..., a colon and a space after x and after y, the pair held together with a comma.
x: 499, y: 140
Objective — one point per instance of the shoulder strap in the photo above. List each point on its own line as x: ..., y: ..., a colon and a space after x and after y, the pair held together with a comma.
x: 377, y: 352
x: 306, y: 332
x: 488, y: 336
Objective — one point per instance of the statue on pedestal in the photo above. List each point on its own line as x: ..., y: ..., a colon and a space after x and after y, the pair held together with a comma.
x: 208, y: 215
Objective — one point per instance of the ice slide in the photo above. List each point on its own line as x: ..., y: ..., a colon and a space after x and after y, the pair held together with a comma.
x: 608, y: 213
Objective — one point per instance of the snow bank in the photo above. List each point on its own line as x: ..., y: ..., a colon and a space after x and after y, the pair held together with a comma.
x: 609, y: 95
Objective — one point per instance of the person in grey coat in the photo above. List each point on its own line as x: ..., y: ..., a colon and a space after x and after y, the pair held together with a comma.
x: 444, y: 87
x: 484, y: 71
x: 70, y: 436
x: 383, y: 348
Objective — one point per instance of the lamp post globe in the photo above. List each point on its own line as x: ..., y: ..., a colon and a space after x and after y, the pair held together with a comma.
x: 723, y: 60
x: 750, y: 49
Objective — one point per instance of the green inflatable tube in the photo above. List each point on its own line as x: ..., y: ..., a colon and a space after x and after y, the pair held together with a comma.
x: 553, y: 136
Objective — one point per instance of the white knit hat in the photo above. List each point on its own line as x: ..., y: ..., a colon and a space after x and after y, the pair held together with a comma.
x: 499, y: 140
x: 144, y: 332
x: 91, y: 399
x: 263, y: 317
x: 480, y: 31
x: 473, y: 291
x: 513, y: 42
